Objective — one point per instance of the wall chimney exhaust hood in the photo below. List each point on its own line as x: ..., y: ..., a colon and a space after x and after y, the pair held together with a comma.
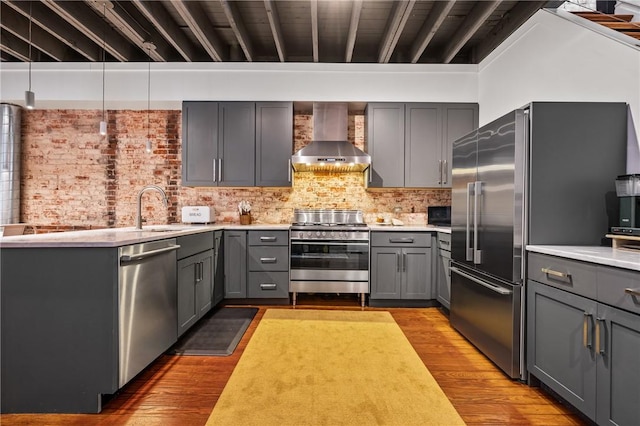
x: 330, y: 150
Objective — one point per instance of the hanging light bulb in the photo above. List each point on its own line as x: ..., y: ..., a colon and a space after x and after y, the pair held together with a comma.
x: 149, y: 45
x: 29, y: 96
x: 103, y: 122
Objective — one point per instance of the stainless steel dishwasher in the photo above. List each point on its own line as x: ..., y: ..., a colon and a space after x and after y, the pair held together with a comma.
x: 147, y: 301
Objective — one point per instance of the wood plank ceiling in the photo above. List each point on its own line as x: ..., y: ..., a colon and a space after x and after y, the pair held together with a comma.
x: 327, y: 31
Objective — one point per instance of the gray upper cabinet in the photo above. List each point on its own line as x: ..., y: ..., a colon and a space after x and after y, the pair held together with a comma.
x: 236, y: 143
x: 274, y: 143
x: 410, y: 144
x: 199, y: 143
x: 384, y: 141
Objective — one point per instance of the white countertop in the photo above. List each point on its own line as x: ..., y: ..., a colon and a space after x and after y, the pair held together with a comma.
x: 116, y: 237
x: 594, y: 254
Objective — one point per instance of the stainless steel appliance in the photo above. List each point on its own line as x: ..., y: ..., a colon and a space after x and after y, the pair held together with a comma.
x: 148, y: 317
x: 537, y: 175
x: 329, y: 253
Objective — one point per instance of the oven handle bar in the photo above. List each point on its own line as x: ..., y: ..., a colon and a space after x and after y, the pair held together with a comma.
x: 327, y: 243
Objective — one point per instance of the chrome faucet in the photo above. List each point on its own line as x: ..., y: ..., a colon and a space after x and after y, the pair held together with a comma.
x: 165, y: 200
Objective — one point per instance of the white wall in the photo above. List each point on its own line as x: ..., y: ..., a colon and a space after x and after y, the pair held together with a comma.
x: 79, y: 85
x: 552, y: 59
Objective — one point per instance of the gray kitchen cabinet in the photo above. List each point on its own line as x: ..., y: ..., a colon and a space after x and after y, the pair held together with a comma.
x: 235, y: 264
x: 194, y: 278
x: 443, y: 272
x: 199, y: 143
x: 268, y: 265
x: 218, y: 267
x: 274, y: 143
x: 236, y: 144
x: 400, y: 266
x: 584, y: 336
x: 410, y: 144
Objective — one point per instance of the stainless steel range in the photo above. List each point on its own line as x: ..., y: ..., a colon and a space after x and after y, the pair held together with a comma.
x: 329, y: 253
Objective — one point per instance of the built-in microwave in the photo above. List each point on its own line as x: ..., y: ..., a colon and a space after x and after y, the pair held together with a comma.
x: 439, y: 215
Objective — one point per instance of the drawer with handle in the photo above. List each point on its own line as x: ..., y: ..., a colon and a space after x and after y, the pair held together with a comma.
x: 401, y: 239
x: 619, y: 288
x: 444, y: 241
x: 269, y: 258
x: 570, y: 275
x: 268, y: 238
x: 268, y: 285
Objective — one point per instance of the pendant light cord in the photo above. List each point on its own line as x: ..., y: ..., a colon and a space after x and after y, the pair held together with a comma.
x: 148, y: 93
x: 104, y: 48
x: 30, y: 19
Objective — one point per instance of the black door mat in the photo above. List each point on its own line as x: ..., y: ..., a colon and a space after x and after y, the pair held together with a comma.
x: 216, y: 334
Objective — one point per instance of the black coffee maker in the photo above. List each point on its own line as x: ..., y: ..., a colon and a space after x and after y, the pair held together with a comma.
x: 628, y: 192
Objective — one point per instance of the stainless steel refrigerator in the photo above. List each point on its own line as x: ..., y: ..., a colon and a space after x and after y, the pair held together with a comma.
x: 542, y: 174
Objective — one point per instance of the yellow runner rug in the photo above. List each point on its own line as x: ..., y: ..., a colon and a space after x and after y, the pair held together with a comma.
x: 313, y: 367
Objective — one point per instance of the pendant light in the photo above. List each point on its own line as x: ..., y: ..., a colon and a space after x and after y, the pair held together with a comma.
x: 149, y: 46
x: 103, y: 122
x: 29, y: 96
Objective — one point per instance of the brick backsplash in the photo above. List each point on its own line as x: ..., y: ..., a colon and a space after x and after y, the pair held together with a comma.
x: 73, y: 178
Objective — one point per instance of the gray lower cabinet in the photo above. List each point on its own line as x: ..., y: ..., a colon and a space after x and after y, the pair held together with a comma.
x: 194, y: 278
x: 401, y: 266
x: 443, y: 273
x: 235, y: 264
x: 583, y: 336
x: 410, y: 144
x: 268, y: 265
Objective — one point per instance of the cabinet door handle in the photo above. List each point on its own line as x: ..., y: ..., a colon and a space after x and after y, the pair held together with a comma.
x: 268, y: 286
x: 289, y: 171
x: 268, y: 238
x: 215, y: 160
x: 558, y: 274
x: 268, y: 259
x: 220, y: 169
x: 404, y: 262
x: 397, y: 262
x: 632, y: 291
x: 586, y: 336
x: 440, y: 171
x: 401, y: 240
x: 445, y: 173
x: 600, y: 343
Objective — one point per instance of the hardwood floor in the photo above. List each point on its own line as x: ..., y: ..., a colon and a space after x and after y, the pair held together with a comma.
x: 182, y: 391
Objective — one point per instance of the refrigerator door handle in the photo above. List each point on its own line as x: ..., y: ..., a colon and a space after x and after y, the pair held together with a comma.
x: 468, y: 251
x: 497, y: 289
x: 477, y: 192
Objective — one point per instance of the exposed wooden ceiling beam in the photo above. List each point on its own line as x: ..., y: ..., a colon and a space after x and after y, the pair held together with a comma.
x: 237, y: 25
x: 18, y: 25
x: 473, y: 21
x: 155, y: 12
x: 401, y: 12
x: 353, y: 29
x: 121, y: 18
x: 195, y: 17
x: 75, y: 13
x: 13, y: 45
x: 436, y: 17
x: 276, y: 29
x: 513, y: 19
x: 314, y: 30
x: 59, y: 28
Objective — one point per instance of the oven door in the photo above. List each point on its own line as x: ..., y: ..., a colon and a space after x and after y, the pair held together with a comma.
x: 329, y: 260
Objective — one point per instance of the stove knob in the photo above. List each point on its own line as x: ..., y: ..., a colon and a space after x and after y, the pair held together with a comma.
x: 317, y: 233
x: 300, y: 234
x: 309, y: 234
x: 324, y: 233
x: 333, y: 233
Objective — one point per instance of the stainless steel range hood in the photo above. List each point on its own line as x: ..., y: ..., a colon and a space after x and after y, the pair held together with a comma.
x: 330, y: 149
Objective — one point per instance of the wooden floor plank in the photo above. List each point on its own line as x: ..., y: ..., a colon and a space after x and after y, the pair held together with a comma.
x: 178, y: 390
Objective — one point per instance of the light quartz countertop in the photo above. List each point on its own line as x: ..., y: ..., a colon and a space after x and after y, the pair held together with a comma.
x: 595, y: 254
x: 117, y: 237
